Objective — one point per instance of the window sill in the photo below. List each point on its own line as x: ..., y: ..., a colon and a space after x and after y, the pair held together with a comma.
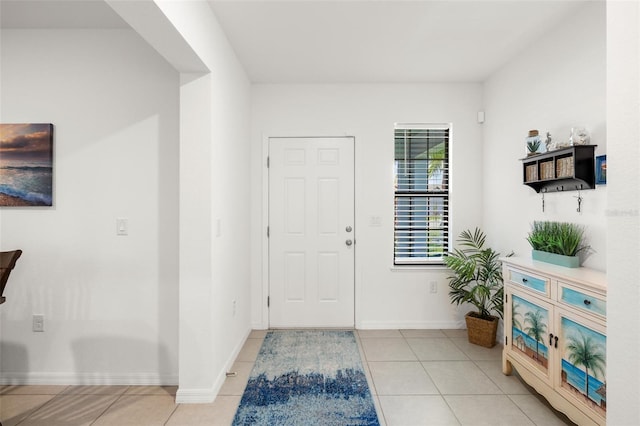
x: 413, y: 268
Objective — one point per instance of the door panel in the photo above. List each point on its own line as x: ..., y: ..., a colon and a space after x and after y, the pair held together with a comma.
x: 530, y: 320
x: 311, y: 217
x: 582, y: 373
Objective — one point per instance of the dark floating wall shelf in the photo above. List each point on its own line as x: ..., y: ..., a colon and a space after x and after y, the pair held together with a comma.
x: 566, y: 169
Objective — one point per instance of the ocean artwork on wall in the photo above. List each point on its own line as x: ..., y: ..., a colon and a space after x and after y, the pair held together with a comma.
x: 26, y: 164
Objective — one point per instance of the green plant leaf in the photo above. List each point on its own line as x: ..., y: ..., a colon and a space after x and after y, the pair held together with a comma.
x: 557, y: 237
x: 477, y: 274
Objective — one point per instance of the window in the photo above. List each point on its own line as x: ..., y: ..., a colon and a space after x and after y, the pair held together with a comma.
x: 421, y: 204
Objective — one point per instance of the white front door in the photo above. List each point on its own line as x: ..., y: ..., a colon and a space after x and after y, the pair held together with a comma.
x: 311, y: 232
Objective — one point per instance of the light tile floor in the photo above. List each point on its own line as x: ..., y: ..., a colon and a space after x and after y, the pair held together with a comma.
x: 417, y: 377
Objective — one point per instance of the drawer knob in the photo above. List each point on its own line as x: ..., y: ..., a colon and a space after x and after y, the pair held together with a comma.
x: 524, y: 280
x: 587, y: 302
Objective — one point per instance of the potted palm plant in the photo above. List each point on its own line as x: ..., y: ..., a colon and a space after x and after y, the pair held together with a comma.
x: 559, y: 243
x: 477, y: 280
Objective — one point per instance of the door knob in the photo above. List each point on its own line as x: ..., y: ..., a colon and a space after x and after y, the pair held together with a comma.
x: 348, y: 229
x: 348, y: 242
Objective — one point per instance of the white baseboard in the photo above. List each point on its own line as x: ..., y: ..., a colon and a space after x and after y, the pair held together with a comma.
x: 205, y: 396
x: 259, y: 326
x: 195, y: 396
x: 73, y: 379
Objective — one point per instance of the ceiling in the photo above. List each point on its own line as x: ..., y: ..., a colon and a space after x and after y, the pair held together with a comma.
x: 347, y: 41
x: 58, y: 14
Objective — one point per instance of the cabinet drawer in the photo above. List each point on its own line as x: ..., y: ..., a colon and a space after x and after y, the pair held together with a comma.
x: 529, y: 281
x: 582, y: 300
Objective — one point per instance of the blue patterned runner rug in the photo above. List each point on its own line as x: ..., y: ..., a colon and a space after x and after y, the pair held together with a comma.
x: 307, y: 377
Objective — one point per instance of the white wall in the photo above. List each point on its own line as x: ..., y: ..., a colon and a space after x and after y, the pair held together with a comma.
x: 623, y: 218
x: 162, y: 142
x: 385, y: 298
x: 214, y: 200
x: 555, y: 84
x: 544, y: 88
x: 109, y: 301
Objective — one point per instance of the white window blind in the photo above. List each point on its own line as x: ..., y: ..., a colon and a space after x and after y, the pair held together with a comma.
x: 421, y: 204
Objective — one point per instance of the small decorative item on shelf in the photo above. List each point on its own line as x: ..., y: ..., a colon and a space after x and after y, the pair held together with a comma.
x: 579, y: 136
x: 550, y: 144
x: 534, y: 143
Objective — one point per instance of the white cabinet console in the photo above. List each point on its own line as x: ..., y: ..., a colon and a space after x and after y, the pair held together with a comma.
x: 555, y: 335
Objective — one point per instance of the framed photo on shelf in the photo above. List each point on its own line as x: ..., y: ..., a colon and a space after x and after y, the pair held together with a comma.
x: 601, y: 170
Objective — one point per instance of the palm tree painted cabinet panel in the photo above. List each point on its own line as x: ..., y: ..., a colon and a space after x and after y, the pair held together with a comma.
x: 531, y: 319
x: 555, y: 339
x: 582, y: 356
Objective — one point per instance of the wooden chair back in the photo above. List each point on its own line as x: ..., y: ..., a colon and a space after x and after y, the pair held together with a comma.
x: 7, y: 262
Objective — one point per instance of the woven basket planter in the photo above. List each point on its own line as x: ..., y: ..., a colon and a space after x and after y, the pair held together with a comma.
x: 481, y: 331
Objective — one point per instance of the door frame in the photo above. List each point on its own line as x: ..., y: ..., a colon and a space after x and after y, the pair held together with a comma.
x: 264, y: 293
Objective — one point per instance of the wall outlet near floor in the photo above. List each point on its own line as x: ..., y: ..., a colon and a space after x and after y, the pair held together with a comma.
x: 38, y: 323
x: 433, y: 287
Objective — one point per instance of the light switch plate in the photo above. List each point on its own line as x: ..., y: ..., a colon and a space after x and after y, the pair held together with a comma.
x: 38, y: 323
x: 122, y: 226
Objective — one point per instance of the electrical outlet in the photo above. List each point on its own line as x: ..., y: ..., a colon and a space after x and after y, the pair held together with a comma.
x: 38, y: 323
x: 433, y: 287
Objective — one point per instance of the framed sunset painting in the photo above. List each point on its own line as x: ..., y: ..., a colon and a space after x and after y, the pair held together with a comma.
x: 26, y: 164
